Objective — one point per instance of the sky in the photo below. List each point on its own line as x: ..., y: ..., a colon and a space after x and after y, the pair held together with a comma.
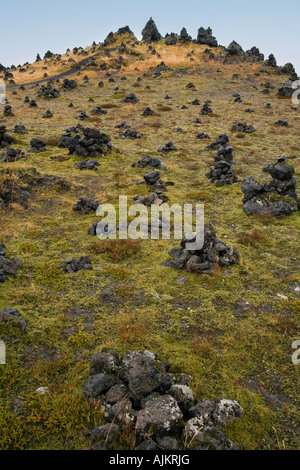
x: 30, y: 27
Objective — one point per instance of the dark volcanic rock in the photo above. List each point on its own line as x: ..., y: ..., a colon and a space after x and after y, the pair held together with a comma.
x: 131, y: 134
x: 7, y: 266
x: 93, y: 144
x: 12, y: 155
x: 278, y: 197
x: 5, y: 139
x: 204, y: 260
x: 69, y: 84
x: 130, y: 98
x: 73, y: 265
x: 221, y: 141
x: 205, y: 37
x: 48, y: 92
x: 150, y: 32
x: 234, y: 49
x: 20, y: 129
x: 149, y: 162
x: 87, y: 164
x: 37, y: 145
x: 98, y: 110
x: 243, y: 127
x: 138, y: 391
x: 168, y: 147
x: 205, y: 109
x: 85, y: 206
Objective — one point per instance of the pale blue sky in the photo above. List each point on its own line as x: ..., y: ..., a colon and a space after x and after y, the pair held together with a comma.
x: 31, y: 26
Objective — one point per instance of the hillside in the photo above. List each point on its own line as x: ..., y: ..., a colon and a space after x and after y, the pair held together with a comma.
x: 233, y: 330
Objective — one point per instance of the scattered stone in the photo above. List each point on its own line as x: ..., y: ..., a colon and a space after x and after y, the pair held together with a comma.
x: 73, y: 265
x: 205, y: 260
x: 202, y: 135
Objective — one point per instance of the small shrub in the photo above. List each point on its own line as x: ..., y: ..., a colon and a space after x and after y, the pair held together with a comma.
x: 252, y: 239
x: 117, y: 250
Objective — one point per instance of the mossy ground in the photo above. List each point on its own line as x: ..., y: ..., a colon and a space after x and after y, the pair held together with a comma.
x: 199, y: 326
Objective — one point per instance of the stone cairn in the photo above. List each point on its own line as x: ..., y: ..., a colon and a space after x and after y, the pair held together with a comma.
x: 214, y: 253
x: 139, y: 394
x: 93, y: 143
x: 278, y: 197
x: 5, y: 139
x: 222, y: 174
x: 12, y: 155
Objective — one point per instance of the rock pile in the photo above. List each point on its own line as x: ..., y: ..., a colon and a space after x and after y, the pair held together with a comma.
x: 130, y: 134
x: 205, y: 37
x: 150, y: 32
x: 168, y: 147
x: 139, y: 393
x: 222, y: 174
x: 7, y: 266
x: 85, y: 206
x: 7, y: 112
x: 98, y: 110
x: 278, y: 197
x: 48, y: 92
x: 12, y: 155
x: 87, y: 164
x: 73, y: 265
x: 149, y: 162
x: 130, y: 98
x: 20, y: 129
x: 37, y: 145
x: 243, y: 127
x: 221, y: 141
x: 205, y: 109
x: 214, y: 253
x: 69, y: 84
x: 47, y: 114
x: 93, y: 144
x: 5, y: 139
